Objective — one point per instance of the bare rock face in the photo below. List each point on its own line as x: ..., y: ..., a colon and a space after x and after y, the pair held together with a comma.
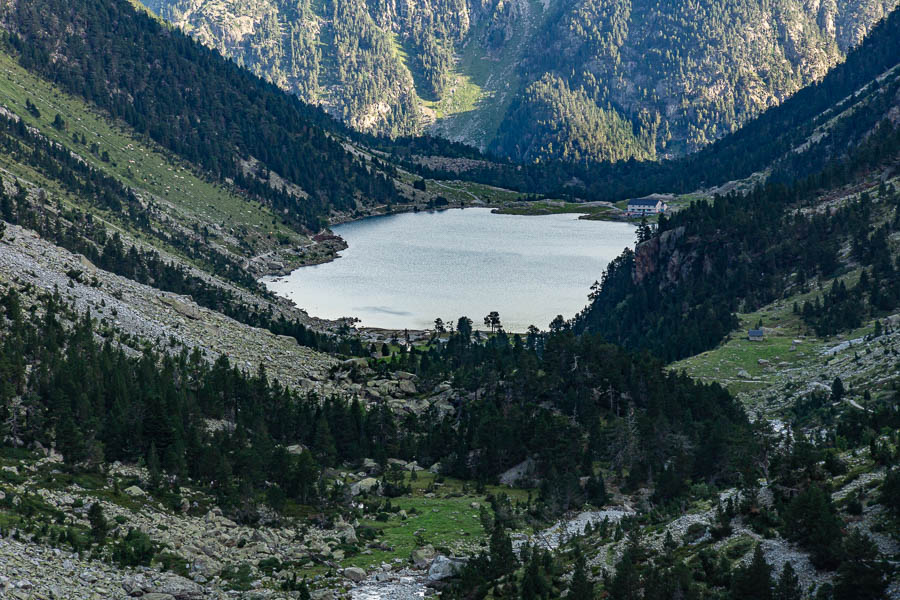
x: 662, y: 252
x: 646, y: 256
x: 727, y: 64
x: 669, y: 238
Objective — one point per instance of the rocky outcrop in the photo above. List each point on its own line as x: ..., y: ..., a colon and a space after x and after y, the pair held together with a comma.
x: 661, y: 251
x: 646, y: 256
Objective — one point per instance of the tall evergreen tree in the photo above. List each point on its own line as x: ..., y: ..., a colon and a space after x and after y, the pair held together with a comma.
x: 581, y: 588
x: 503, y: 559
x: 861, y: 575
x: 788, y: 587
x: 754, y: 581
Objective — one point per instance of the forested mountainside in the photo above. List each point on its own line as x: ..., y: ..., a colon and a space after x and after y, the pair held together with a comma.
x: 575, y: 79
x: 169, y: 429
x: 195, y: 104
x: 136, y: 344
x: 822, y: 122
x: 677, y: 293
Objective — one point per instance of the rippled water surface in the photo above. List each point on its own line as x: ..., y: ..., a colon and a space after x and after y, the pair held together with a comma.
x: 405, y: 270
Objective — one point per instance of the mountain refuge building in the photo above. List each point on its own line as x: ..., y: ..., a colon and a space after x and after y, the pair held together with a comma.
x: 651, y: 205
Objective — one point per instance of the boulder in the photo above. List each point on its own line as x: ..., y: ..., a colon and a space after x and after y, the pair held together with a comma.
x: 205, y: 567
x: 175, y: 585
x: 346, y: 533
x: 183, y: 308
x: 135, y: 585
x: 135, y: 492
x: 518, y: 472
x: 355, y: 362
x: 408, y: 387
x: 295, y: 449
x: 157, y: 596
x: 422, y: 557
x: 444, y: 408
x: 354, y: 574
x: 443, y: 567
x: 364, y: 486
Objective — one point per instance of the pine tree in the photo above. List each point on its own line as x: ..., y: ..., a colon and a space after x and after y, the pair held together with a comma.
x: 626, y: 583
x: 861, y: 575
x: 890, y: 492
x: 753, y: 582
x: 69, y: 439
x: 811, y: 520
x: 788, y: 587
x: 837, y: 390
x: 581, y: 588
x: 503, y: 560
x: 99, y: 525
x: 323, y: 443
x: 153, y: 467
x: 596, y: 490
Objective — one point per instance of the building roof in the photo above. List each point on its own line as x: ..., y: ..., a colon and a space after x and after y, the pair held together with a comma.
x: 643, y: 202
x: 755, y: 333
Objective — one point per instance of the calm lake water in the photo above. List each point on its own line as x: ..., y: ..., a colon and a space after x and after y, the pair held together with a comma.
x: 403, y: 271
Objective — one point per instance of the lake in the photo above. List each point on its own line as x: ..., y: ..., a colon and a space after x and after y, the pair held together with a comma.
x: 403, y: 271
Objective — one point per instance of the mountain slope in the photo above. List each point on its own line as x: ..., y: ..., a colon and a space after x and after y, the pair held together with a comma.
x: 195, y: 104
x: 679, y: 74
x: 821, y: 122
x: 677, y: 293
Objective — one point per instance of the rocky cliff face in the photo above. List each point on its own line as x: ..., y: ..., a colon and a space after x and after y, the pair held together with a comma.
x: 661, y: 252
x: 677, y: 74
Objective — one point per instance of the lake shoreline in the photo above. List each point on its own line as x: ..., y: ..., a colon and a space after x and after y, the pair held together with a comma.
x: 437, y: 262
x: 588, y: 211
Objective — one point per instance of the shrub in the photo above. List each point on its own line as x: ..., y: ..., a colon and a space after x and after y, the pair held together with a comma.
x: 169, y: 561
x: 239, y: 577
x: 135, y: 549
x: 269, y: 565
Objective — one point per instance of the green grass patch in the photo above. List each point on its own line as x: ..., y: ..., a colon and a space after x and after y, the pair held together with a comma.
x: 445, y: 520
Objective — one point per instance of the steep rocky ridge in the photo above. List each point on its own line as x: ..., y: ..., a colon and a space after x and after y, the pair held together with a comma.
x: 679, y: 75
